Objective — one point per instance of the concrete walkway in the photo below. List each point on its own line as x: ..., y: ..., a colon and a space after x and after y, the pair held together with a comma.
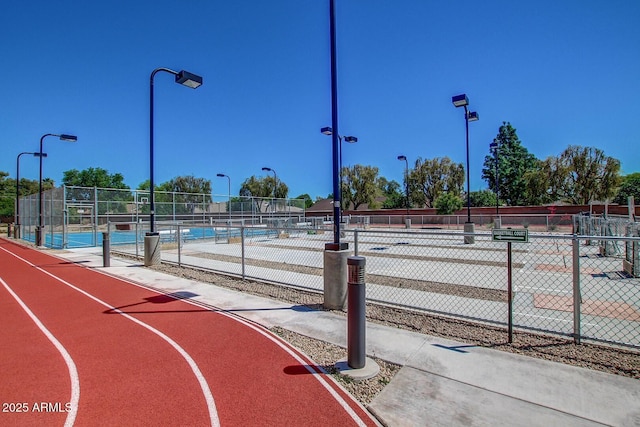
x: 441, y: 382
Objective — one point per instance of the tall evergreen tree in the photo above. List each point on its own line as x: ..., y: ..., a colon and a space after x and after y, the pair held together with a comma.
x: 514, y: 161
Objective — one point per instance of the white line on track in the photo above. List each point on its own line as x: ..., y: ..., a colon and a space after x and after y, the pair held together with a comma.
x: 73, y: 372
x: 211, y: 406
x: 305, y: 363
x: 285, y: 346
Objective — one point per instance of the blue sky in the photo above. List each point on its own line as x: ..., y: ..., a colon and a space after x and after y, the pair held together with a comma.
x: 562, y: 72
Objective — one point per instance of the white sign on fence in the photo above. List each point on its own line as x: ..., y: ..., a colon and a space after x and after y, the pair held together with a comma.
x: 510, y: 235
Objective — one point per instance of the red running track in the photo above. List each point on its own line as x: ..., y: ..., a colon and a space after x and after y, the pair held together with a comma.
x: 79, y: 347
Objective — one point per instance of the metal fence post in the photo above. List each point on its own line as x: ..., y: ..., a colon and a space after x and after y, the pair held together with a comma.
x: 179, y: 239
x: 242, y: 248
x: 355, y: 242
x: 577, y: 298
x: 510, y: 291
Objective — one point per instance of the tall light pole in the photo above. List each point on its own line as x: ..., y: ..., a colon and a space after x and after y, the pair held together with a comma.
x: 337, y: 245
x: 494, y: 146
x: 63, y: 137
x: 469, y: 116
x: 406, y: 178
x: 348, y: 139
x: 184, y: 78
x: 16, y: 229
x: 275, y: 179
x: 221, y: 175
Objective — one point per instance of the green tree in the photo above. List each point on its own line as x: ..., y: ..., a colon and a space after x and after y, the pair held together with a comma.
x: 431, y: 178
x: 514, y: 161
x: 181, y: 195
x: 359, y: 186
x: 393, y: 196
x: 582, y: 174
x: 188, y: 192
x: 8, y: 191
x: 83, y: 185
x: 447, y: 203
x: 482, y: 198
x: 263, y: 188
x: 537, y: 184
x: 187, y: 184
x: 7, y: 194
x: 93, y: 177
x: 307, y: 200
x: 630, y: 187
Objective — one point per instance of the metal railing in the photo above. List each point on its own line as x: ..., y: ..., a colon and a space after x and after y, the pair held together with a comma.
x: 562, y: 284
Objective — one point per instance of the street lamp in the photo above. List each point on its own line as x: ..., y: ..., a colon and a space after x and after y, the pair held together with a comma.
x: 348, y: 139
x: 275, y: 179
x: 494, y: 146
x: 63, y: 137
x: 16, y: 229
x: 221, y: 175
x: 406, y: 177
x: 469, y: 116
x: 335, y: 143
x: 184, y: 78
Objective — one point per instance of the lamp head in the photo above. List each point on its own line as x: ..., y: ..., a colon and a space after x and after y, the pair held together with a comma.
x: 69, y: 138
x: 473, y: 116
x: 326, y: 131
x: 402, y: 157
x: 221, y: 175
x: 266, y: 169
x: 188, y: 79
x: 351, y: 139
x: 460, y: 100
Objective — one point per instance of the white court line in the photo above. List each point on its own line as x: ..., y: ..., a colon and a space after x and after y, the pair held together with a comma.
x: 73, y: 372
x: 526, y: 288
x: 211, y: 406
x: 555, y: 318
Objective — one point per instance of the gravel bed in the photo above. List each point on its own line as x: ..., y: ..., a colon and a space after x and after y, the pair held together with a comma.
x: 613, y: 360
x: 326, y: 355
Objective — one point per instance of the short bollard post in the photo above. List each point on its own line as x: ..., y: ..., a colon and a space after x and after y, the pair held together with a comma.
x: 356, y: 327
x: 106, y: 249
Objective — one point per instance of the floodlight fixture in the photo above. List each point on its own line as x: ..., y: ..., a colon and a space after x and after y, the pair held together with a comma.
x: 473, y: 116
x: 188, y: 79
x: 68, y: 138
x: 326, y: 131
x: 460, y: 100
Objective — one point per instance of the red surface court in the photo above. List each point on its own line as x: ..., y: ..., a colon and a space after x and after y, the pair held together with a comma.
x: 79, y: 347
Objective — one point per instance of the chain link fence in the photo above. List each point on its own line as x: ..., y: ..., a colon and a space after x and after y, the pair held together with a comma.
x: 77, y: 216
x: 569, y: 285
